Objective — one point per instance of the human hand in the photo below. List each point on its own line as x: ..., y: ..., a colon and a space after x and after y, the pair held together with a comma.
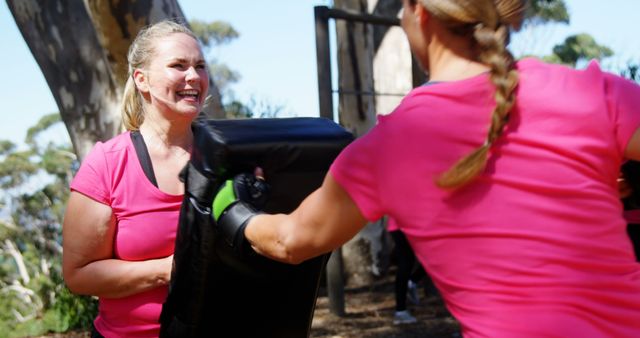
x: 236, y: 202
x: 251, y: 189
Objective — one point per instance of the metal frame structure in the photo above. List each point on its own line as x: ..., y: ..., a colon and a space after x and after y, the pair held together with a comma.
x: 323, y: 50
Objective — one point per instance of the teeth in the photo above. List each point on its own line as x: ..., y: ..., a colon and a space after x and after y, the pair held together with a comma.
x: 188, y: 92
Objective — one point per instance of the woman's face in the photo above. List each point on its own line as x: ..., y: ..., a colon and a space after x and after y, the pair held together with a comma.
x: 176, y: 78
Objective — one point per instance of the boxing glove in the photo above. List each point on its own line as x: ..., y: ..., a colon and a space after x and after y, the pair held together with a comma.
x: 236, y: 202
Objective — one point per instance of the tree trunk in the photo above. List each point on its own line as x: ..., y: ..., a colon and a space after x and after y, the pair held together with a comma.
x: 81, y: 50
x: 355, y: 75
x: 393, y: 71
x: 366, y: 255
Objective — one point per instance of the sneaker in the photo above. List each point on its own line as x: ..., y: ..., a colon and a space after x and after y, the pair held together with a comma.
x: 403, y: 317
x: 412, y: 293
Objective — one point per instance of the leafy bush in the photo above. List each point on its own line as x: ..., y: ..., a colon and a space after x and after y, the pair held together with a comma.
x: 33, y: 298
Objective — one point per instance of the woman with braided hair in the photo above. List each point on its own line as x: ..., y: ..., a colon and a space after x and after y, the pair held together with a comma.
x: 501, y: 174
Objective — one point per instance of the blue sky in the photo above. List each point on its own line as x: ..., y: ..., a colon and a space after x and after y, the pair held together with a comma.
x: 275, y: 53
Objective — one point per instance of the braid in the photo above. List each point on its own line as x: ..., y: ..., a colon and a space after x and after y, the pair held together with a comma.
x: 491, y: 44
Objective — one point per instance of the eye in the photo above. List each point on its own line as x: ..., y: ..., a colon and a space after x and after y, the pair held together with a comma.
x: 201, y: 66
x: 177, y: 65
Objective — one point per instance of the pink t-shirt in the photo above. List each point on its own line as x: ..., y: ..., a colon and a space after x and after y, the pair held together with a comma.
x: 392, y: 225
x: 536, y: 246
x: 146, y: 220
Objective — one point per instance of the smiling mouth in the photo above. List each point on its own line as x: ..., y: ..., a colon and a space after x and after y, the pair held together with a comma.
x: 191, y: 94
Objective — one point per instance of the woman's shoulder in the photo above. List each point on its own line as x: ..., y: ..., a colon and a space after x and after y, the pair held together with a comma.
x: 535, y: 65
x: 118, y: 143
x: 113, y: 147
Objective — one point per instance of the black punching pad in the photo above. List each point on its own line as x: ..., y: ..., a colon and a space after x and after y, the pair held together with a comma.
x: 631, y: 171
x: 214, y: 292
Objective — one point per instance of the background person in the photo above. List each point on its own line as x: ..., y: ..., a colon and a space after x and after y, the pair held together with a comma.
x: 407, y: 275
x: 501, y: 174
x: 122, y: 216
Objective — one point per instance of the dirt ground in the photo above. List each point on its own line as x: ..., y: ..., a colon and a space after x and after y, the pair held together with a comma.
x: 370, y: 315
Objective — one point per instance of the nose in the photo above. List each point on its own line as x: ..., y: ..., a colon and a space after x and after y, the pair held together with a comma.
x: 192, y: 75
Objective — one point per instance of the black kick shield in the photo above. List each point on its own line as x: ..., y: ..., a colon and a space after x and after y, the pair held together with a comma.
x: 214, y: 292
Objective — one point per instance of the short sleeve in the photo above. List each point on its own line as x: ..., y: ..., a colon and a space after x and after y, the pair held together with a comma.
x: 92, y: 179
x: 356, y: 171
x: 623, y: 99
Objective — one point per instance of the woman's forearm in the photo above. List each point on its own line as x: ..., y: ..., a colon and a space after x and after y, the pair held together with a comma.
x: 325, y: 220
x: 270, y: 236
x: 113, y: 278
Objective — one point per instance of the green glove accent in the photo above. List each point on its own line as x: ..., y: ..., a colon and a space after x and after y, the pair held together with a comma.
x: 223, y: 199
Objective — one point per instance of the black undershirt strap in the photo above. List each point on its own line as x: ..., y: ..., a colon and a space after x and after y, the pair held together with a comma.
x: 143, y: 156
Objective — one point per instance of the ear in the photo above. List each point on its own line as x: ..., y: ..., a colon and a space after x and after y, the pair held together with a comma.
x: 140, y: 79
x: 421, y: 14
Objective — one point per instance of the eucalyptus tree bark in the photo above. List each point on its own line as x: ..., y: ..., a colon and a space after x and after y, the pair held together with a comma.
x: 81, y: 50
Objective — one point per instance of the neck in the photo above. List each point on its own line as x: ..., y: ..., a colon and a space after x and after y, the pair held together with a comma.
x: 453, y: 60
x: 167, y: 134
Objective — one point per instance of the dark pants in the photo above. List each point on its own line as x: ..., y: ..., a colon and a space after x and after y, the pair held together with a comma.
x: 408, y: 269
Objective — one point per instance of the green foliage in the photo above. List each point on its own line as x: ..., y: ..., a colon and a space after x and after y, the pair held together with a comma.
x: 237, y: 110
x: 16, y: 166
x: 6, y: 147
x: 223, y: 77
x: 575, y: 48
x: 33, y: 298
x: 71, y: 312
x: 43, y: 124
x: 254, y: 107
x: 542, y: 12
x: 579, y: 47
x: 214, y: 33
x: 53, y: 308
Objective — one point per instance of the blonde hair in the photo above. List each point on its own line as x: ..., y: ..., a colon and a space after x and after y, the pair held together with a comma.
x: 488, y: 23
x: 140, y: 53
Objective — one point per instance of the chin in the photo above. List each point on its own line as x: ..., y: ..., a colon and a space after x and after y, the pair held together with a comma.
x: 187, y: 114
x: 191, y: 110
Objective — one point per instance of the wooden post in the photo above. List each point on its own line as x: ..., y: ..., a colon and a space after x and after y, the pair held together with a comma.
x: 323, y: 56
x: 335, y: 268
x: 335, y: 283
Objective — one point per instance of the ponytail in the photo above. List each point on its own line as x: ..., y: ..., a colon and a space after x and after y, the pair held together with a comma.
x: 491, y: 50
x: 132, y: 109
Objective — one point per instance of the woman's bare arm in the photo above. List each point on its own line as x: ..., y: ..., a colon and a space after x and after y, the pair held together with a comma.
x: 325, y: 220
x: 87, y: 261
